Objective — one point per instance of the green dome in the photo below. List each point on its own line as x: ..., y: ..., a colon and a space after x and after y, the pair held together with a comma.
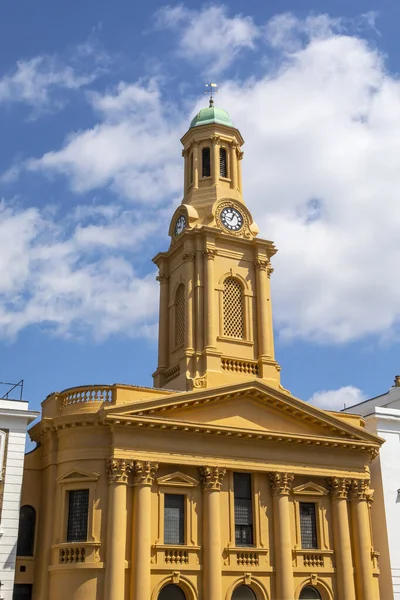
x: 211, y: 115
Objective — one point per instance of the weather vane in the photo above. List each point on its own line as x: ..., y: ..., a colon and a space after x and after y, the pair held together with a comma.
x: 211, y: 89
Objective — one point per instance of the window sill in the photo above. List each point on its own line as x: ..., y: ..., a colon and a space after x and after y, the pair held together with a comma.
x: 306, y: 558
x: 167, y: 555
x: 233, y: 340
x: 76, y: 553
x: 249, y: 557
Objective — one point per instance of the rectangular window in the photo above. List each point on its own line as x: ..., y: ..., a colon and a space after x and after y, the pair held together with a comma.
x: 243, y: 509
x: 22, y: 591
x: 174, y: 519
x: 206, y: 167
x: 308, y: 525
x: 78, y: 511
x: 223, y: 165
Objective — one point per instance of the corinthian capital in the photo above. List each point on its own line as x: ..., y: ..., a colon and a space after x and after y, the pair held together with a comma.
x: 144, y: 472
x: 212, y: 477
x: 162, y: 277
x: 118, y: 470
x: 210, y: 253
x: 339, y: 487
x: 261, y: 264
x: 281, y: 483
x: 360, y: 490
x: 189, y: 256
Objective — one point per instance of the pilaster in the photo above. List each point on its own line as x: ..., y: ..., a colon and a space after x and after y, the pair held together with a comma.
x: 210, y: 308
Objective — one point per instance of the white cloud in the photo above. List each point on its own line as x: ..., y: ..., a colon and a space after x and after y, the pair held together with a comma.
x: 209, y: 34
x: 345, y: 396
x: 321, y: 172
x: 37, y: 82
x: 77, y: 282
x: 134, y: 149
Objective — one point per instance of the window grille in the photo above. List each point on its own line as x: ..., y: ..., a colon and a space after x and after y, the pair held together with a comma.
x: 310, y: 593
x: 308, y: 525
x: 22, y: 591
x: 78, y: 512
x: 243, y: 509
x: 26, y: 531
x: 233, y: 308
x: 243, y: 592
x: 206, y: 168
x: 171, y: 592
x: 174, y: 519
x: 223, y: 165
x: 180, y: 316
x: 191, y: 167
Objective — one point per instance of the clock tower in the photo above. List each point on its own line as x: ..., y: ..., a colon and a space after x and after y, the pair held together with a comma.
x: 215, y: 302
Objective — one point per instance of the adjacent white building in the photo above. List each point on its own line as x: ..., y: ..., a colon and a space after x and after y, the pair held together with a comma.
x: 382, y: 416
x: 14, y: 419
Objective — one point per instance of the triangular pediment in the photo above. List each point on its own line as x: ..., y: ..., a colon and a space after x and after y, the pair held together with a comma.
x: 177, y: 479
x: 245, y: 412
x: 251, y: 409
x: 75, y: 476
x: 310, y: 489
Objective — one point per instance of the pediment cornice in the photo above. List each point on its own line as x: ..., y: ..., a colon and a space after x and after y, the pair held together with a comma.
x: 282, y: 401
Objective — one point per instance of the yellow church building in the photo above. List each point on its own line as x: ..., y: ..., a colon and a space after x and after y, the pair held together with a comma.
x: 216, y: 484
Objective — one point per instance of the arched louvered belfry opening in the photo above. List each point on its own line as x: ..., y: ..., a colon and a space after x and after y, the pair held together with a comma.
x: 171, y: 592
x: 243, y: 592
x: 26, y: 531
x: 223, y: 163
x: 180, y: 315
x: 310, y: 593
x: 206, y: 162
x: 233, y: 308
x: 191, y: 168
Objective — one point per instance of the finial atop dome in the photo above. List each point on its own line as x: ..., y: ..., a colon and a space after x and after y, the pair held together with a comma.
x: 210, y: 91
x: 211, y: 114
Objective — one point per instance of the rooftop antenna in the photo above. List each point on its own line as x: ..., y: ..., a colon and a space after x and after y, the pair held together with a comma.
x: 211, y: 89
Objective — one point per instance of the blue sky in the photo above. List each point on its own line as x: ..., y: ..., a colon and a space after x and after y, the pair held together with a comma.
x: 94, y: 97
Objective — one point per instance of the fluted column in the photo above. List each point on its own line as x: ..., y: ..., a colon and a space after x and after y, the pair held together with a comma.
x: 196, y: 165
x: 118, y: 472
x: 210, y: 308
x: 339, y: 488
x: 281, y: 484
x: 211, y: 479
x: 163, y: 278
x: 189, y: 258
x: 215, y: 169
x: 234, y: 166
x: 143, y: 478
x: 360, y: 493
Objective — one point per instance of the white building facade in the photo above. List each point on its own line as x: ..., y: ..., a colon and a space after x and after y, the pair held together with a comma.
x: 14, y: 419
x: 382, y: 416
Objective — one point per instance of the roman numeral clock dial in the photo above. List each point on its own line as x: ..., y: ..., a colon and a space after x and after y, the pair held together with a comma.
x: 231, y: 218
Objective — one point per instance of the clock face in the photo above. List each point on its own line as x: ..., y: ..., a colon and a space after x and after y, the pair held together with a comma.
x: 180, y: 225
x: 231, y: 218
